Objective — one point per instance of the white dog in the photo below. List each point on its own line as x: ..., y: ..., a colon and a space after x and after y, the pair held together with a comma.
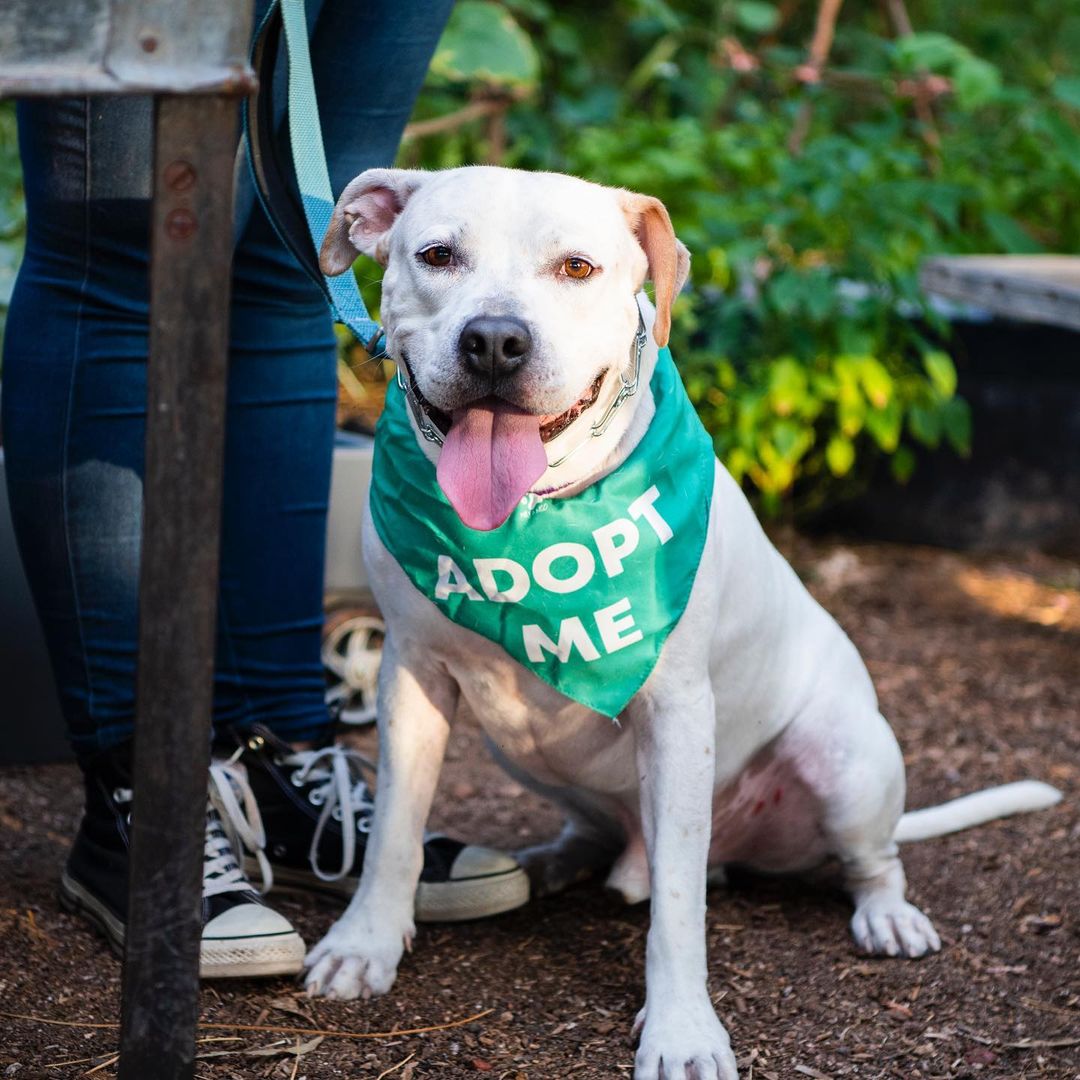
x: 510, y: 302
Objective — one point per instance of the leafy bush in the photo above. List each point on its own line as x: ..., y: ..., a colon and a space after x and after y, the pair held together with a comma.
x: 12, y: 212
x: 804, y: 339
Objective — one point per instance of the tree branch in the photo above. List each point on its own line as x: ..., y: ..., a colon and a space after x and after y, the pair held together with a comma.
x: 810, y: 72
x: 475, y: 110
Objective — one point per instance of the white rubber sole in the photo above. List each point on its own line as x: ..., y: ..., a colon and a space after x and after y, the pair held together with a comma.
x: 458, y: 900
x: 219, y: 958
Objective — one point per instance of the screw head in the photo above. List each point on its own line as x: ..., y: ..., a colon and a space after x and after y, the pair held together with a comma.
x: 180, y: 224
x: 180, y: 175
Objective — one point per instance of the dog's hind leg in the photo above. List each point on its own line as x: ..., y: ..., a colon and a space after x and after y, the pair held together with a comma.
x: 861, y: 807
x: 575, y: 855
x: 588, y: 844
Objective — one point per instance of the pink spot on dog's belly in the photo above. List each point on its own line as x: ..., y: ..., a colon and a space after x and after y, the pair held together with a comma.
x: 789, y: 837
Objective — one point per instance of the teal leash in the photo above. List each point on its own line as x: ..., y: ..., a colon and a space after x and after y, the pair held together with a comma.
x: 302, y: 229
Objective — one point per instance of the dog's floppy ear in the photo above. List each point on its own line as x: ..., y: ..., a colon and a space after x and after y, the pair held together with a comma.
x: 669, y: 260
x: 368, y: 206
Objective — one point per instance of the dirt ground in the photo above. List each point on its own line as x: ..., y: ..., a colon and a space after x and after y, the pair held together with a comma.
x: 976, y: 660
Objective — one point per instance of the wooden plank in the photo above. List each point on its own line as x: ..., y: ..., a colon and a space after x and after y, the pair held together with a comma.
x: 1030, y: 288
x: 191, y: 251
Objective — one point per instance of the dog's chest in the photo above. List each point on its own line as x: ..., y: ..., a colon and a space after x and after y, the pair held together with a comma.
x: 553, y: 739
x: 556, y: 740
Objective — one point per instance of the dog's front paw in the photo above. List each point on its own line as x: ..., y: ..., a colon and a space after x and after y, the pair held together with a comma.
x: 683, y: 1041
x: 355, y: 960
x: 891, y: 927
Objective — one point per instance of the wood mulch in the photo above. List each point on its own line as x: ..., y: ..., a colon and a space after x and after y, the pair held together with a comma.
x: 976, y: 660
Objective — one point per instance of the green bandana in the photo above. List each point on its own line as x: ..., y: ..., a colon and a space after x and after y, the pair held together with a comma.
x: 584, y: 590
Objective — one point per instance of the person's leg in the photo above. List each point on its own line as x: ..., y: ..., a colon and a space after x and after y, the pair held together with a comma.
x: 75, y: 392
x: 74, y: 418
x: 74, y: 398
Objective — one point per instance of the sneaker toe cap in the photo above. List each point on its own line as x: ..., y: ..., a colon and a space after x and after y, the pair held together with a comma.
x: 245, y: 921
x: 248, y: 940
x: 477, y: 862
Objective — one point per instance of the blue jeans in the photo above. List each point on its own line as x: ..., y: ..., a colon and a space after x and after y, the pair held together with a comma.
x: 74, y: 390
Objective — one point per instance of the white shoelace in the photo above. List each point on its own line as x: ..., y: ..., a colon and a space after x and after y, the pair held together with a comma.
x: 237, y: 826
x: 342, y: 793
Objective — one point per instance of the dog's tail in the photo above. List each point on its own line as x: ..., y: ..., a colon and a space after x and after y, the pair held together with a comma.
x: 975, y: 809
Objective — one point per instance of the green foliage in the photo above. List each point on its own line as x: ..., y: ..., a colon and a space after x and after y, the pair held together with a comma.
x: 12, y: 213
x: 483, y: 44
x: 803, y: 339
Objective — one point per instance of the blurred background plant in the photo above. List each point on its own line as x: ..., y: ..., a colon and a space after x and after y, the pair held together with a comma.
x: 12, y: 213
x: 811, y: 154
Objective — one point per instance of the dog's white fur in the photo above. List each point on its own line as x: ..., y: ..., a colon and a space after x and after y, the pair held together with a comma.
x: 757, y: 739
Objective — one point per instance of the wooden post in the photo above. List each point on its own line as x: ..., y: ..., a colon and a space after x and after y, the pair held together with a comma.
x: 191, y: 253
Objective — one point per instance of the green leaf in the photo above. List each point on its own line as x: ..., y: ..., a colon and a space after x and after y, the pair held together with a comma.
x: 1064, y: 140
x: 976, y: 82
x: 785, y: 291
x: 937, y: 52
x: 756, y: 16
x: 785, y: 437
x: 483, y: 43
x: 876, y: 381
x: 1010, y: 235
x: 884, y: 425
x: 956, y: 420
x: 850, y: 409
x: 925, y: 424
x: 1067, y: 90
x: 902, y: 464
x: 787, y: 386
x: 942, y: 372
x: 840, y: 455
x: 738, y: 463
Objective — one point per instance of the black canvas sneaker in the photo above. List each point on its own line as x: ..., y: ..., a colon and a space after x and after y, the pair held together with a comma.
x: 316, y: 808
x: 241, y: 935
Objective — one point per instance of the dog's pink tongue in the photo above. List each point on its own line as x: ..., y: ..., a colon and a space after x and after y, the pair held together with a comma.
x: 491, y: 457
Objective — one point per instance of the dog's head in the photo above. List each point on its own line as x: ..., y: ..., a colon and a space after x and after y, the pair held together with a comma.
x: 509, y: 297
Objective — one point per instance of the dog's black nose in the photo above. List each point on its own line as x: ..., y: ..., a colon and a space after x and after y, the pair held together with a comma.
x: 493, y: 345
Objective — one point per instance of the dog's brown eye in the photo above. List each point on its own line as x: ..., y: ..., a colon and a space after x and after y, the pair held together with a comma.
x: 577, y: 268
x: 439, y: 255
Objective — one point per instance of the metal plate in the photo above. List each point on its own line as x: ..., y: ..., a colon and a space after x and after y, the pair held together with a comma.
x: 124, y: 46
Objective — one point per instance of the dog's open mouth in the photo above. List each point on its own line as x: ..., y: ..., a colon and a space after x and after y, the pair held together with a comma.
x: 551, y: 425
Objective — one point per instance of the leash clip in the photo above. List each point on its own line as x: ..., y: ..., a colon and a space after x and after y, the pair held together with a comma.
x: 427, y: 428
x: 370, y: 345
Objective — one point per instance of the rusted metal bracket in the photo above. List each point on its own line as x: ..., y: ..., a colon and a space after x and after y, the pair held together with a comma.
x: 124, y: 46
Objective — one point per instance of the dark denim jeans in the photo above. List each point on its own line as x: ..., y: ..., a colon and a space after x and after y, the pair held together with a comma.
x: 74, y: 389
